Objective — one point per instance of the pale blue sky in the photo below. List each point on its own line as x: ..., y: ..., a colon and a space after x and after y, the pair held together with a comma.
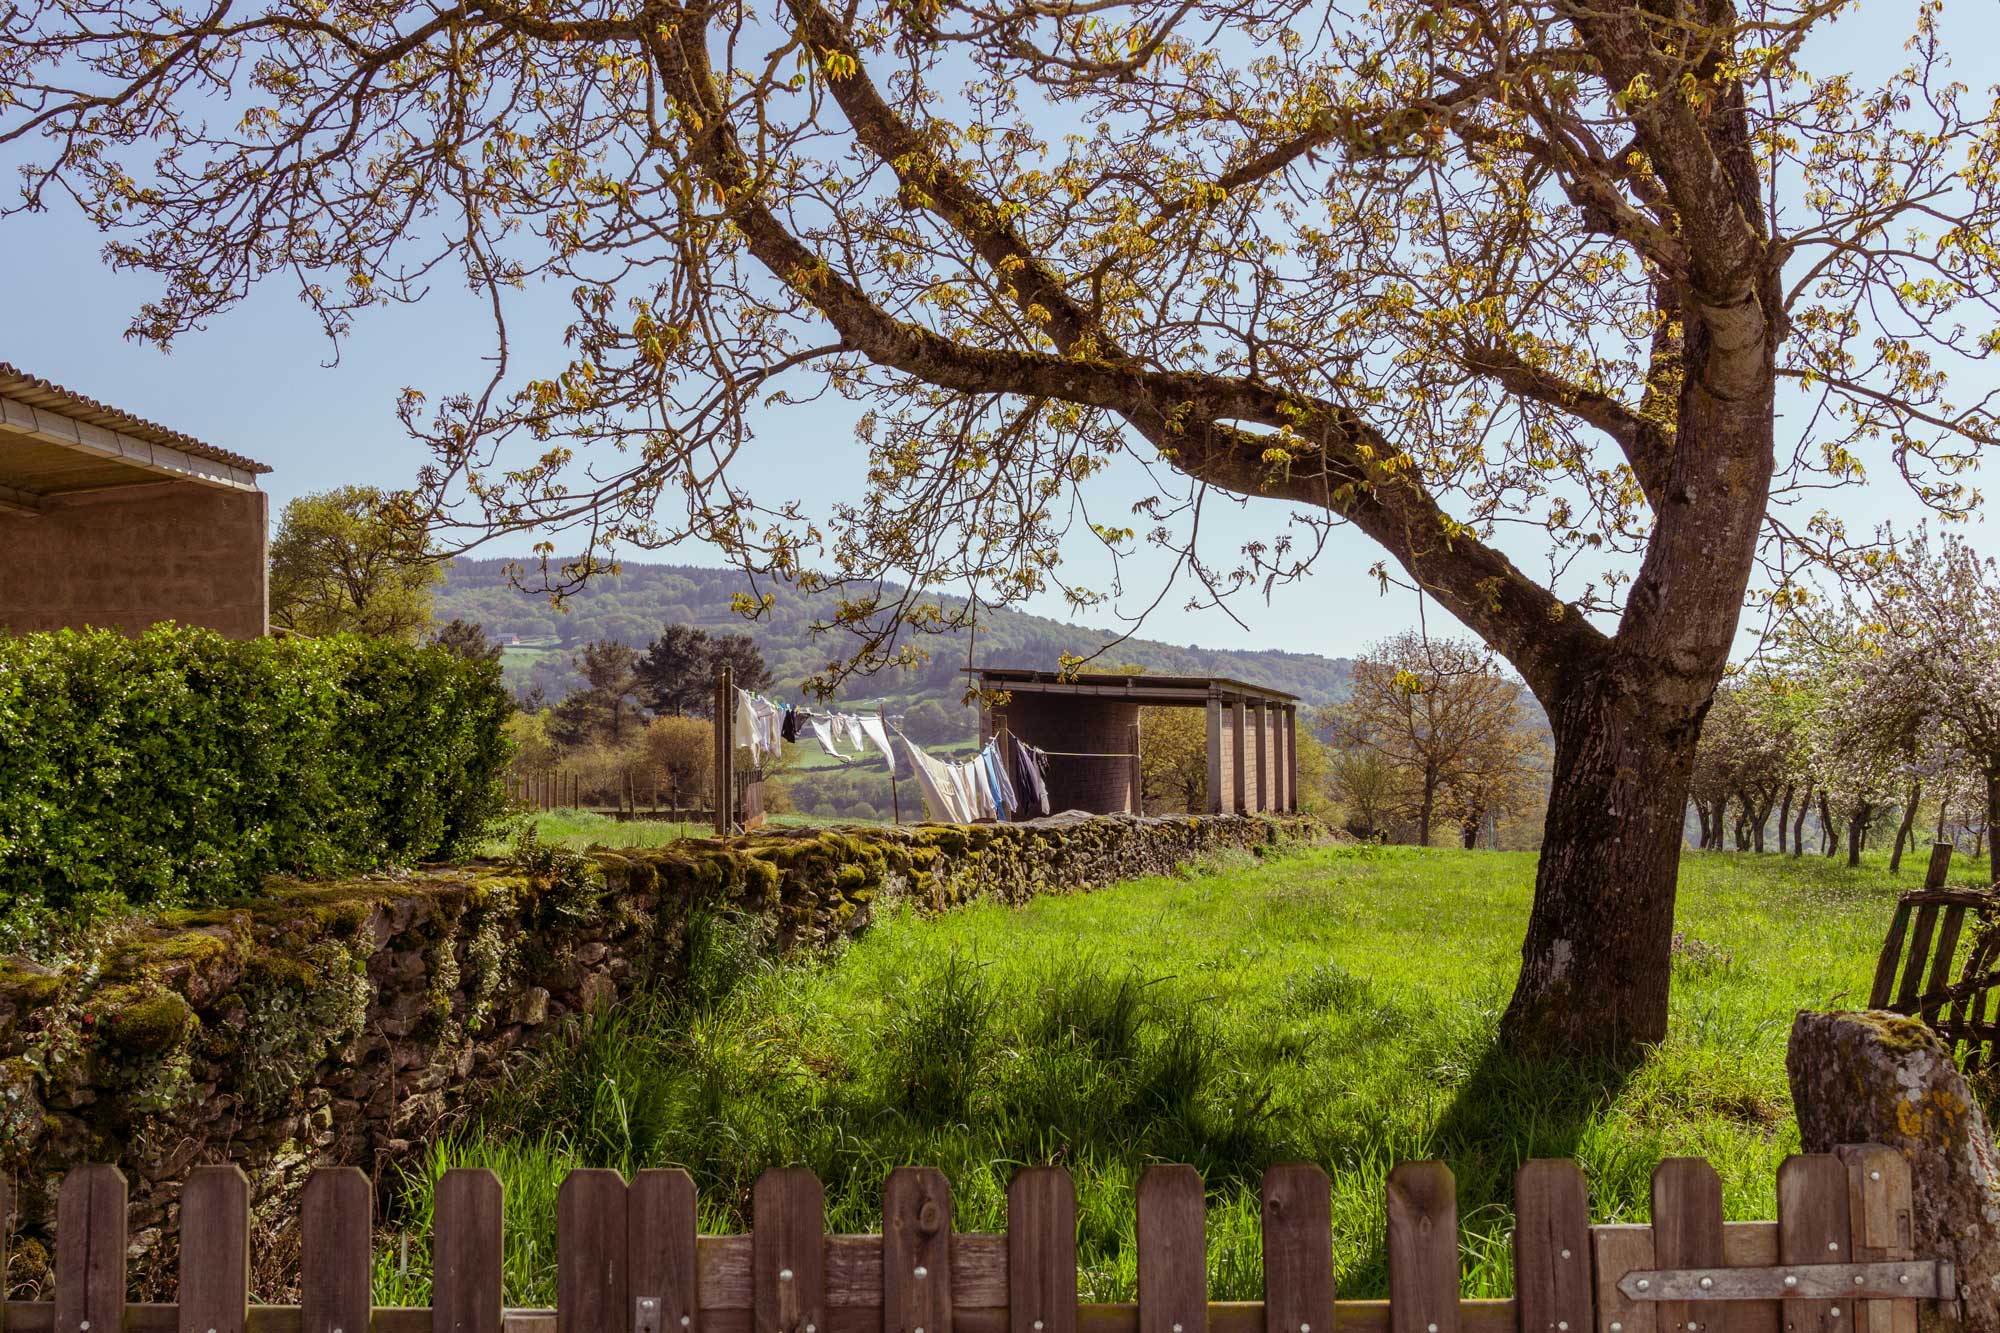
x: 256, y: 382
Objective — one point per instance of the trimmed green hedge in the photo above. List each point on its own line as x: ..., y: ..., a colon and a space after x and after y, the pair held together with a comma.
x: 182, y: 767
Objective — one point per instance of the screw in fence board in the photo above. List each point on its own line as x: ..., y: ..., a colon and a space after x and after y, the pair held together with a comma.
x: 1173, y: 1251
x: 1687, y: 1233
x: 1298, y: 1249
x: 1813, y: 1228
x: 90, y: 1251
x: 591, y: 1240
x: 1423, y: 1249
x: 215, y: 1251
x: 1041, y: 1251
x: 1878, y: 1211
x: 660, y: 1248
x: 466, y: 1252
x: 1552, y: 1247
x: 788, y: 1252
x: 336, y: 1219
x: 916, y: 1251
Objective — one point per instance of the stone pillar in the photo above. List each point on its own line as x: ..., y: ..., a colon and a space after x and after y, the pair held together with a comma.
x: 1260, y: 723
x: 1214, y: 752
x: 1883, y: 1078
x: 1237, y: 746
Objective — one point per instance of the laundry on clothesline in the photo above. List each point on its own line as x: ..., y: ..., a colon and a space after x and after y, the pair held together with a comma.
x: 764, y: 728
x: 1001, y: 782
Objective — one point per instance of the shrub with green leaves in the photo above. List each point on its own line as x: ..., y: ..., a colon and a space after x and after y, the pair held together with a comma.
x: 182, y: 767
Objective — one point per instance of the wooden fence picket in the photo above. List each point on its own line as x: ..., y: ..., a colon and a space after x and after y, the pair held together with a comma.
x: 1878, y: 1203
x: 335, y: 1229
x: 1298, y: 1249
x: 591, y: 1241
x: 1687, y: 1233
x: 1172, y: 1227
x: 788, y: 1251
x: 1041, y: 1251
x: 215, y: 1251
x: 660, y: 1250
x: 90, y: 1251
x: 6, y: 1238
x: 467, y: 1249
x: 916, y: 1252
x: 1552, y: 1278
x: 629, y: 1259
x: 1813, y: 1228
x: 1423, y: 1249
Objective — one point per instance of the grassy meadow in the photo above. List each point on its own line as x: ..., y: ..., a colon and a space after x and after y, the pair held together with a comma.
x: 1336, y: 1005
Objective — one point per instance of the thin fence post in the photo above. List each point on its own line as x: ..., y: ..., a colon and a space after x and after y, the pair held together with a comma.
x: 1173, y: 1251
x: 90, y: 1251
x: 466, y: 1247
x: 1298, y: 1250
x: 916, y: 1251
x: 591, y: 1247
x: 1813, y: 1228
x: 788, y: 1252
x: 335, y: 1227
x: 1423, y: 1249
x: 660, y: 1251
x: 1687, y: 1226
x: 215, y: 1251
x: 1041, y: 1251
x: 1552, y: 1278
x: 1878, y: 1195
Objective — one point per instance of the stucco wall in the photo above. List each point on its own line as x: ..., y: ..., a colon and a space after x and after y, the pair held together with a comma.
x: 127, y: 559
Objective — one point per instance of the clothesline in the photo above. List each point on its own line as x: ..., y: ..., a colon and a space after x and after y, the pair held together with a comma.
x: 996, y: 783
x: 1090, y: 754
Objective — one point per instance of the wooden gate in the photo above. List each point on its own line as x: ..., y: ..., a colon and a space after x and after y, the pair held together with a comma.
x: 629, y: 1259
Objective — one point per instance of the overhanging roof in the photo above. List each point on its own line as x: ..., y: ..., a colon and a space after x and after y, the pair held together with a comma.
x: 1134, y: 688
x: 55, y: 442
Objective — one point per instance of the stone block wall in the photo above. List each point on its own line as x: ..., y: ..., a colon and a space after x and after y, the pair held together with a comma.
x: 349, y: 1023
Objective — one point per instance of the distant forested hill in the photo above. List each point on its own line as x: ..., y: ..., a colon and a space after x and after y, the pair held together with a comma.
x: 632, y: 606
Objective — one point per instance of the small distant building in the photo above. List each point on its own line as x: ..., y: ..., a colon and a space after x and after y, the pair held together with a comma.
x: 109, y: 520
x: 1089, y: 725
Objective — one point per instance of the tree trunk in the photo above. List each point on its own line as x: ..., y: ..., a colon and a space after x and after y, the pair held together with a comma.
x: 1785, y: 817
x: 1857, y: 822
x: 1701, y: 813
x: 1906, y: 832
x: 1799, y: 823
x: 1424, y: 811
x: 1993, y: 823
x: 1598, y: 955
x: 1829, y: 836
x: 1759, y: 819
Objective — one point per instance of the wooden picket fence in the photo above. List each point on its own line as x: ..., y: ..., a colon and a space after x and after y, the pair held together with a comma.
x: 629, y: 1260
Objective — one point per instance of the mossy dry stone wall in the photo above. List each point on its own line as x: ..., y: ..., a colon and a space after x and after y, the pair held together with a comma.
x: 347, y: 1022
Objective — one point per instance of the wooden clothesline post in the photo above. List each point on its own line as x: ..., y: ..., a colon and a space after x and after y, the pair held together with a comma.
x: 725, y: 753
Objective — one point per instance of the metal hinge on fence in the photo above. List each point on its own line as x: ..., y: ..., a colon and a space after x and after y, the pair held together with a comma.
x: 1903, y: 1279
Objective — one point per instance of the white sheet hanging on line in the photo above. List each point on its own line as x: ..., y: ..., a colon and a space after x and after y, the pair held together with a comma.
x: 878, y: 735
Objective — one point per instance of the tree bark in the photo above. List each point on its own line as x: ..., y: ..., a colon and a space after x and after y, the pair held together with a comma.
x: 1799, y: 824
x: 1597, y: 959
x: 1992, y: 823
x: 1701, y: 813
x: 1785, y: 817
x: 1857, y: 823
x: 1906, y: 832
x: 1829, y: 836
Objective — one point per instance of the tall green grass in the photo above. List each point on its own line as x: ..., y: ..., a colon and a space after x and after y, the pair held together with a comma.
x: 1337, y: 1006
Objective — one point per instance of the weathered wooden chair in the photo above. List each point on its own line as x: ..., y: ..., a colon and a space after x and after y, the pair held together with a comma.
x: 1917, y: 979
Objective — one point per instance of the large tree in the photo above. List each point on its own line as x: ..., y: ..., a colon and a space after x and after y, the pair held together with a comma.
x: 352, y: 560
x: 1529, y: 272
